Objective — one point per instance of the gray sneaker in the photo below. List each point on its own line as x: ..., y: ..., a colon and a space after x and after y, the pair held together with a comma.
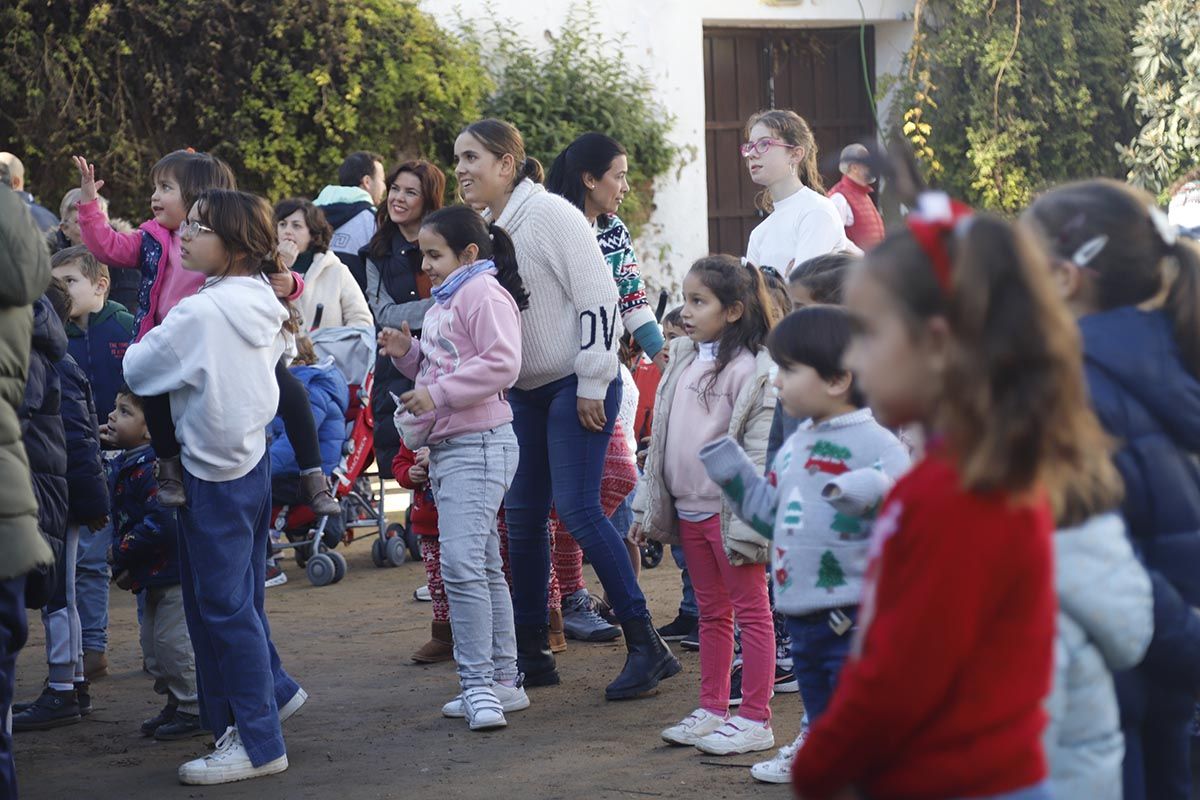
x: 582, y: 622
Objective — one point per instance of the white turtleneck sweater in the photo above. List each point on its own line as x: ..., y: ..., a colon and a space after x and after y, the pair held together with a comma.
x: 573, y: 323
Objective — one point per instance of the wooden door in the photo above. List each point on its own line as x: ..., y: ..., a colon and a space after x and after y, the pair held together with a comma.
x: 817, y: 72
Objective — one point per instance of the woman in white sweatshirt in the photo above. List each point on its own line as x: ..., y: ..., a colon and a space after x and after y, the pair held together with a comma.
x: 215, y: 355
x: 564, y: 403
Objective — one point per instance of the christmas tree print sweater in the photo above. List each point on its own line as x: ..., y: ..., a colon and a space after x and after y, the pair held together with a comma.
x: 818, y: 553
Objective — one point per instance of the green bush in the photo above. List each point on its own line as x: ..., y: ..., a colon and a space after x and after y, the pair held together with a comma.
x: 283, y: 90
x: 1166, y: 94
x: 580, y: 84
x: 1003, y: 99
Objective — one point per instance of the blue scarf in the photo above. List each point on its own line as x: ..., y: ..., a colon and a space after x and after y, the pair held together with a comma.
x: 443, y: 293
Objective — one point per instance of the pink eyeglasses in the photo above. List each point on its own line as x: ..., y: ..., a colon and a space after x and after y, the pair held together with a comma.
x: 763, y: 145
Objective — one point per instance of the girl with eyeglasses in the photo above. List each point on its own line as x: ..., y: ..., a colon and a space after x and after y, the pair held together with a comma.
x: 155, y: 249
x: 802, y: 223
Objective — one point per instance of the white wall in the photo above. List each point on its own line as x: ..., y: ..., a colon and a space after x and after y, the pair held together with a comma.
x: 665, y: 37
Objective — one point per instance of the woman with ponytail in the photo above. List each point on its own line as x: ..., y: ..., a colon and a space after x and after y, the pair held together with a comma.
x: 468, y: 357
x: 1134, y: 286
x: 781, y: 155
x: 564, y: 402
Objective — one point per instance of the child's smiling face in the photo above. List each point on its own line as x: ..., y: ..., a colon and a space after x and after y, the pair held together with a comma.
x: 440, y: 260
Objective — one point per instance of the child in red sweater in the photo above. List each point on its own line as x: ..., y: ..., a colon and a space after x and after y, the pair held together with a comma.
x: 959, y: 330
x: 411, y: 470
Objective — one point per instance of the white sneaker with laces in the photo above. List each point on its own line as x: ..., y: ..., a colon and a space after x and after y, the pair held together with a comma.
x: 422, y: 594
x: 229, y: 762
x: 779, y: 768
x: 512, y: 698
x: 691, y: 728
x: 483, y: 709
x: 293, y: 705
x: 737, y: 735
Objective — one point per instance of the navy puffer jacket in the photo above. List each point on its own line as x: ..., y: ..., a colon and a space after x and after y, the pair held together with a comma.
x: 87, y: 482
x: 42, y: 423
x: 1149, y: 402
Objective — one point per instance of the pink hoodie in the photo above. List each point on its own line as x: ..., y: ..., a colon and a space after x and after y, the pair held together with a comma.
x: 164, y: 280
x: 469, y: 355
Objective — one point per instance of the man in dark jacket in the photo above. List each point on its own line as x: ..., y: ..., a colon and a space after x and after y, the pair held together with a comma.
x: 44, y: 217
x: 66, y: 697
x: 350, y: 209
x: 24, y: 273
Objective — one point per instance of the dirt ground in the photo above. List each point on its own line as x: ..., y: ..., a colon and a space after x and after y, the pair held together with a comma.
x: 372, y: 727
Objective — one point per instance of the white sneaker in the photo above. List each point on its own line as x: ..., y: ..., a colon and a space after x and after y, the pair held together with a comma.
x: 293, y: 705
x: 422, y: 594
x: 737, y: 735
x: 512, y: 698
x: 229, y: 762
x: 779, y: 768
x: 483, y: 709
x: 692, y: 727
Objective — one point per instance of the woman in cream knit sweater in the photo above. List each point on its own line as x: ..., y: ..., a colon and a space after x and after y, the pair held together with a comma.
x: 564, y: 402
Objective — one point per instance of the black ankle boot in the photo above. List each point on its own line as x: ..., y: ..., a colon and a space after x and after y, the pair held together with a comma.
x: 534, y: 658
x: 649, y: 661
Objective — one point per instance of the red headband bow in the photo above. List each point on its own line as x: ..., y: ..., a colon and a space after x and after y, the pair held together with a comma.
x: 935, y: 218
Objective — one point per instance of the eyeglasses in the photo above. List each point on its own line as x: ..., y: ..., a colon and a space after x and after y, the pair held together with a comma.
x: 191, y: 229
x: 763, y: 145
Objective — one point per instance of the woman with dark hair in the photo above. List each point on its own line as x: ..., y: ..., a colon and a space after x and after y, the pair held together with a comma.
x: 304, y: 236
x: 397, y: 290
x: 564, y: 403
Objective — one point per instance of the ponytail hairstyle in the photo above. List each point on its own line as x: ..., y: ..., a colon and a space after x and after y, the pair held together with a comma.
x: 245, y: 224
x: 195, y: 173
x: 792, y: 128
x: 734, y: 282
x: 1138, y: 256
x: 462, y: 225
x: 777, y: 291
x: 433, y: 192
x: 1013, y: 407
x: 502, y: 139
x: 592, y: 153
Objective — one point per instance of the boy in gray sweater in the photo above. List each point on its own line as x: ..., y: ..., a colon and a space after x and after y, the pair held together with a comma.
x: 816, y: 504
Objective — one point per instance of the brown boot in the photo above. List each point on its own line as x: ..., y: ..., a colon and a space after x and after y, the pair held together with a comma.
x: 169, y: 472
x: 315, y: 489
x: 558, y: 640
x: 440, y: 646
x: 95, y: 664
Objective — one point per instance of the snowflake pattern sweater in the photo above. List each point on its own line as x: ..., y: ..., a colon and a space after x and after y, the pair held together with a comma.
x: 616, y: 245
x: 572, y: 323
x: 943, y: 693
x: 818, y: 553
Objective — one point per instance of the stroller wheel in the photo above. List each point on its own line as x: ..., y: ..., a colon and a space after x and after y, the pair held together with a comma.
x: 379, y: 553
x: 414, y: 544
x: 652, y: 554
x: 393, y: 530
x: 397, y: 550
x: 339, y: 566
x: 321, y: 570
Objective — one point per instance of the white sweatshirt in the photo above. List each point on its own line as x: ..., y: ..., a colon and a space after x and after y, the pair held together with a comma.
x: 215, y: 354
x: 803, y: 226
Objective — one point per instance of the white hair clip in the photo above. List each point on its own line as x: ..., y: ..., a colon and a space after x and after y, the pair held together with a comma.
x: 1166, y: 231
x: 1088, y: 251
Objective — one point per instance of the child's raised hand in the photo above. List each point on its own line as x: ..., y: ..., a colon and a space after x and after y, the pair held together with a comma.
x: 89, y: 187
x: 417, y: 474
x: 422, y: 455
x: 395, y: 343
x: 418, y: 401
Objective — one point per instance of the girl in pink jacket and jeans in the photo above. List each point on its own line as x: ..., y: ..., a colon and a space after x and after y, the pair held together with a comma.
x: 468, y: 356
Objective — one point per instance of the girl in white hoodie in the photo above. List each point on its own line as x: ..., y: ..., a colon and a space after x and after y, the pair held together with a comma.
x: 215, y: 355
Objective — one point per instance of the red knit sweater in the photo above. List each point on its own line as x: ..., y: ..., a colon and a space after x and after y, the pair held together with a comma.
x: 942, y: 694
x: 424, y: 514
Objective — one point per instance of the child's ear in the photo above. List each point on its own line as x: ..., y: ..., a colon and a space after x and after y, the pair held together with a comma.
x: 101, y: 286
x: 1068, y: 279
x: 734, y: 312
x: 470, y: 254
x: 841, y: 385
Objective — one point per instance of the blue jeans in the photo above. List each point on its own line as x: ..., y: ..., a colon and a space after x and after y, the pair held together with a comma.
x: 91, y: 586
x: 561, y: 463
x: 223, y: 534
x: 817, y: 657
x: 687, y: 606
x: 470, y: 474
x: 14, y: 629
